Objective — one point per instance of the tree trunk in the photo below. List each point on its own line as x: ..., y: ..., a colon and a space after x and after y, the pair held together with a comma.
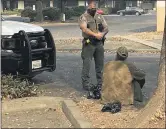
x: 39, y: 8
x: 2, y: 9
x: 62, y: 10
x: 99, y: 2
x: 156, y: 105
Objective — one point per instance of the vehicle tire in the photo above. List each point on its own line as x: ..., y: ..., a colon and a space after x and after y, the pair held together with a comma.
x: 121, y: 14
x: 137, y: 13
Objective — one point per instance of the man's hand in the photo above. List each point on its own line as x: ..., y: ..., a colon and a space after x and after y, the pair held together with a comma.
x: 99, y: 36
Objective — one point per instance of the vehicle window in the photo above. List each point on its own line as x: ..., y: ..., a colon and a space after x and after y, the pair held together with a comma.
x: 133, y: 8
x: 2, y: 18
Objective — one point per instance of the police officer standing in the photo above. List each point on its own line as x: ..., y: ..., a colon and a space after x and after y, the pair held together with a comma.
x: 94, y: 28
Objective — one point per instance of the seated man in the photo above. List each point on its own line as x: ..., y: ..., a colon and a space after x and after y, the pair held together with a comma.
x: 138, y: 75
x: 122, y: 81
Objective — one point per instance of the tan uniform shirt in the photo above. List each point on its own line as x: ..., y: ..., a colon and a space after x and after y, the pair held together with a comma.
x: 92, y: 22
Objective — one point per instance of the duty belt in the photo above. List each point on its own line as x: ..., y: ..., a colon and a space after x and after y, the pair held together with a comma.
x: 92, y: 41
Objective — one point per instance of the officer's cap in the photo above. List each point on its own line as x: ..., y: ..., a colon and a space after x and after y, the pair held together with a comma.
x: 123, y: 52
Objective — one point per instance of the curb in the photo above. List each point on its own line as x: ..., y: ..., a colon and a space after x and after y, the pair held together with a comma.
x: 68, y: 106
x: 54, y: 24
x: 147, y: 43
x: 73, y: 114
x: 112, y: 51
x: 13, y: 15
x: 23, y: 103
x: 72, y: 38
x: 154, y: 46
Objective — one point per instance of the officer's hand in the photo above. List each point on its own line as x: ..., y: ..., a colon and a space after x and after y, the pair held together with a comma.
x: 99, y: 36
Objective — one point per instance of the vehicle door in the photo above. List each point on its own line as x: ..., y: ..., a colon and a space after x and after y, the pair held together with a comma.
x: 133, y: 11
x: 128, y: 11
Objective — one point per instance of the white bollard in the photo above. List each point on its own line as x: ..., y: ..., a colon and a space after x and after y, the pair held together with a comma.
x: 63, y: 19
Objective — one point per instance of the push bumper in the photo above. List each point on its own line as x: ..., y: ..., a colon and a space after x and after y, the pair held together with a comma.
x: 22, y: 60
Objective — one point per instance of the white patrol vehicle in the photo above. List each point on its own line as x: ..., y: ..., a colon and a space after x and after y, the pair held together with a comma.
x: 26, y: 49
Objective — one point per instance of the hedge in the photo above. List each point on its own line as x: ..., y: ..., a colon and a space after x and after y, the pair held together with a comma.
x: 77, y: 11
x: 52, y: 13
x: 28, y: 12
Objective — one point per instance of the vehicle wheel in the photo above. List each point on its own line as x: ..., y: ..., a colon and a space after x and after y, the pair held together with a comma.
x: 137, y: 13
x: 121, y: 14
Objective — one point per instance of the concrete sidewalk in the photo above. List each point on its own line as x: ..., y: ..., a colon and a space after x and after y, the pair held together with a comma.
x: 65, y: 113
x: 144, y: 42
x: 151, y: 39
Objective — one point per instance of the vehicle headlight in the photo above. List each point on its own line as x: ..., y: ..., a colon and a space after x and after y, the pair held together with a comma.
x: 37, y: 44
x: 9, y: 44
x: 6, y: 36
x: 34, y: 43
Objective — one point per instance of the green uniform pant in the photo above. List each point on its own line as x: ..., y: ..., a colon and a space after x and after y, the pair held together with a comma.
x: 138, y: 85
x: 90, y: 51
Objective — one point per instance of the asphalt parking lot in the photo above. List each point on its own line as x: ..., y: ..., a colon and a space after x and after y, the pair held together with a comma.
x: 67, y: 75
x: 118, y: 25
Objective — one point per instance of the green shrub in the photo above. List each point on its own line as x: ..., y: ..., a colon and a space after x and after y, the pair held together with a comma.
x: 28, y: 12
x: 52, y: 13
x: 8, y: 12
x: 105, y: 10
x: 77, y: 11
x: 68, y: 13
x: 16, y: 88
x: 11, y: 12
x: 17, y: 10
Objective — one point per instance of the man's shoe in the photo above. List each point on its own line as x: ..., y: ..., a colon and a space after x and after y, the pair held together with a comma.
x: 112, y: 107
x: 90, y: 95
x: 94, y: 93
x: 97, y: 94
x: 106, y: 108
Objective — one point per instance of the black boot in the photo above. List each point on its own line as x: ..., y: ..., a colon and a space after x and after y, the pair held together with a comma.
x: 112, y: 107
x: 94, y: 93
x: 97, y: 93
x: 90, y: 95
x: 106, y: 108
